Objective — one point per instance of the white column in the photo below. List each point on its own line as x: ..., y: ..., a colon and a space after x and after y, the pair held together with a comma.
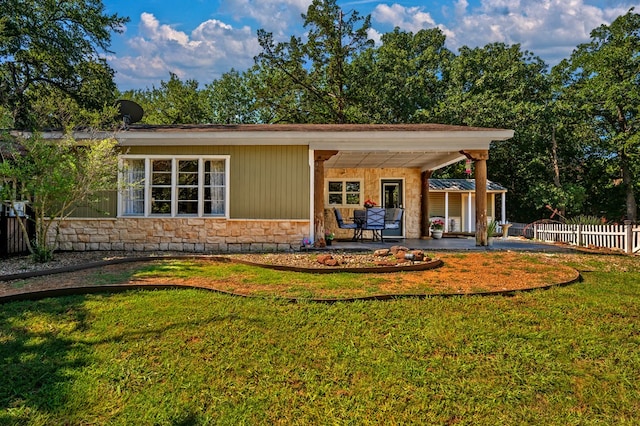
x: 446, y: 211
x: 469, y: 212
x: 503, y: 213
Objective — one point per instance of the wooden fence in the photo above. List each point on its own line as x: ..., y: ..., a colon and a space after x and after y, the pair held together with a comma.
x: 12, y: 238
x: 619, y: 237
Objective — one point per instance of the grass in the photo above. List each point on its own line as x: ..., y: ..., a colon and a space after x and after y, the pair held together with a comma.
x: 563, y: 356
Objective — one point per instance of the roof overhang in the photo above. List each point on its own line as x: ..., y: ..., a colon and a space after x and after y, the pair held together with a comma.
x: 424, y: 146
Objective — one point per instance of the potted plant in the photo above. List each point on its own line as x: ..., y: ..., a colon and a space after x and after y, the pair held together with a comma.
x: 437, y: 228
x: 369, y: 203
x: 328, y: 237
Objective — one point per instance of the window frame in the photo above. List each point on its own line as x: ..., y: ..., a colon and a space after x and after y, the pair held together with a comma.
x: 344, y: 192
x: 175, y: 186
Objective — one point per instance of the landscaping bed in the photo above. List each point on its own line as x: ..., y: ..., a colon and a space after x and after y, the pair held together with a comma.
x: 460, y: 273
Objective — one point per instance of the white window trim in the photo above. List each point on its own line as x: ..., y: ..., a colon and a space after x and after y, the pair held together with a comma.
x: 344, y: 192
x: 174, y: 194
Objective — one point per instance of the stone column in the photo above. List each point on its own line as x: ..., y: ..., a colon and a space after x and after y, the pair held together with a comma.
x: 319, y: 157
x: 424, y: 203
x: 480, y: 158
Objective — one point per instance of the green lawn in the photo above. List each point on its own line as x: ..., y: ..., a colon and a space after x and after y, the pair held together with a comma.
x: 565, y: 356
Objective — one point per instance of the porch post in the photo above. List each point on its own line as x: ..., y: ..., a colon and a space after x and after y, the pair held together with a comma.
x: 319, y: 157
x: 480, y: 158
x: 503, y: 213
x: 424, y: 203
x: 446, y: 212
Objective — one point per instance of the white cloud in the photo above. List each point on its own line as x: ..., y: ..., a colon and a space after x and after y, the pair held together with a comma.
x: 209, y: 50
x: 272, y: 15
x: 549, y: 28
x: 411, y: 19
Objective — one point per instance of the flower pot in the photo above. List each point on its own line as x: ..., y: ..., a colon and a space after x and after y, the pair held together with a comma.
x: 329, y: 242
x: 436, y: 234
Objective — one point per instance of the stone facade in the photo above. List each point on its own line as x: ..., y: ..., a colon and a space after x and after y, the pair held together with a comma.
x: 180, y: 234
x: 371, y: 179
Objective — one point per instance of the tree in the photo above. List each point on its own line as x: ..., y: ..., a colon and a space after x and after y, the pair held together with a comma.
x: 313, y: 74
x: 174, y: 102
x: 505, y: 87
x: 53, y: 177
x: 400, y: 81
x: 232, y: 99
x: 54, y: 47
x: 602, y: 79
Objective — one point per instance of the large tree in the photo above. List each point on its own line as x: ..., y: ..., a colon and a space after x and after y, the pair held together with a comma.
x: 502, y: 86
x: 53, y: 48
x: 313, y: 73
x: 401, y: 80
x: 603, y: 82
x: 174, y: 102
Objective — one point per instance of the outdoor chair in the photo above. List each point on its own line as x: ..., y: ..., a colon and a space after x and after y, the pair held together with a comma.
x: 375, y: 222
x: 393, y: 219
x: 343, y: 225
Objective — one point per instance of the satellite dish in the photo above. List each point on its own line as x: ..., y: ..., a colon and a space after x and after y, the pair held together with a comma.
x: 130, y: 112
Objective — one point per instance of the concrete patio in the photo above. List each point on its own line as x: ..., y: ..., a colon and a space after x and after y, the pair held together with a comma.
x: 451, y: 244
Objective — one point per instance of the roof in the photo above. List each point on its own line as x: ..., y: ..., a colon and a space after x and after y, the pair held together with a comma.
x: 426, y: 127
x: 426, y: 146
x: 461, y: 185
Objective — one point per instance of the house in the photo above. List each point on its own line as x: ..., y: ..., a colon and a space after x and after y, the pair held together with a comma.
x: 453, y: 200
x: 266, y: 187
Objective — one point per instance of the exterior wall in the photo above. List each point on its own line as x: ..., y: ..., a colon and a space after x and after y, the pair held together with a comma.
x: 178, y: 234
x: 371, y: 182
x: 266, y: 182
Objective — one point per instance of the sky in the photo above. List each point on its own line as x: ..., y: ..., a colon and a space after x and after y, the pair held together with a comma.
x: 202, y: 39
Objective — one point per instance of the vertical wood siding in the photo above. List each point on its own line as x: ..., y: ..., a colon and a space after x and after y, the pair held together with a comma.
x: 267, y: 182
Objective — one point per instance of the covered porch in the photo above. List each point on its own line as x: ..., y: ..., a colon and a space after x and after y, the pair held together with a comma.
x: 373, y: 158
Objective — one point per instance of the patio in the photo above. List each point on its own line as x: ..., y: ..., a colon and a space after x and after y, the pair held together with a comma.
x: 450, y: 244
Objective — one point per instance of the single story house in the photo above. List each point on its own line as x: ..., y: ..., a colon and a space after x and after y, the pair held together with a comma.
x: 267, y: 187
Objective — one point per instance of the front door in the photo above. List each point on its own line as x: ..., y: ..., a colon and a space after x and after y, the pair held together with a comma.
x: 392, y: 198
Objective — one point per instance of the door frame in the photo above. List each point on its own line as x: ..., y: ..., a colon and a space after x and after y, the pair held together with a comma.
x: 400, y: 182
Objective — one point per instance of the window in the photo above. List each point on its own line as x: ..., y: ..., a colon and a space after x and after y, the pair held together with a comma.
x: 133, y: 187
x: 174, y: 186
x: 344, y: 193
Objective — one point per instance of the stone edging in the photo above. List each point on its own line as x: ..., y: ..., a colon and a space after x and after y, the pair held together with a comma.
x: 114, y: 288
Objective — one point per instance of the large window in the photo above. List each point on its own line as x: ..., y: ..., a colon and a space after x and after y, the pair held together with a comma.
x: 345, y: 193
x: 174, y: 186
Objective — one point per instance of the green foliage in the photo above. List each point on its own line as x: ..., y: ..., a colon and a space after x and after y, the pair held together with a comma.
x: 400, y: 80
x: 174, y: 102
x: 601, y: 80
x: 53, y: 177
x: 54, y: 48
x: 585, y: 220
x: 313, y: 74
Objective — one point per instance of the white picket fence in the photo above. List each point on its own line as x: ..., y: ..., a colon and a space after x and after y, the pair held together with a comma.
x: 621, y: 237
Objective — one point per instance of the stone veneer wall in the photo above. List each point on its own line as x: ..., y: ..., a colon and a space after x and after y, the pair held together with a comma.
x: 180, y: 234
x: 371, y: 180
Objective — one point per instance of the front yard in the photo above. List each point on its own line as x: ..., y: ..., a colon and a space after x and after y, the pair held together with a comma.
x: 567, y: 355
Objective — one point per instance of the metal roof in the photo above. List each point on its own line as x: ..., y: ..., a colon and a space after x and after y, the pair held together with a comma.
x: 461, y: 185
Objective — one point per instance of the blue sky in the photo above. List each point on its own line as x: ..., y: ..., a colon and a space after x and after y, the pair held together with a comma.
x: 202, y: 39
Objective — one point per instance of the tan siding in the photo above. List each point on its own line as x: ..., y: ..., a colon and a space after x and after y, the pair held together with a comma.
x: 267, y: 182
x: 106, y: 207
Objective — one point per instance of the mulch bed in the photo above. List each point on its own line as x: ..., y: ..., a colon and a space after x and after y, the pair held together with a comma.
x: 460, y: 273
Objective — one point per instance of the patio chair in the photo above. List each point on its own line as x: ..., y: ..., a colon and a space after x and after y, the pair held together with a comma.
x: 393, y: 219
x: 375, y: 222
x: 343, y: 225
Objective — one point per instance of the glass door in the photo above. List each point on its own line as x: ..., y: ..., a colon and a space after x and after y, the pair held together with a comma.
x: 391, y: 199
